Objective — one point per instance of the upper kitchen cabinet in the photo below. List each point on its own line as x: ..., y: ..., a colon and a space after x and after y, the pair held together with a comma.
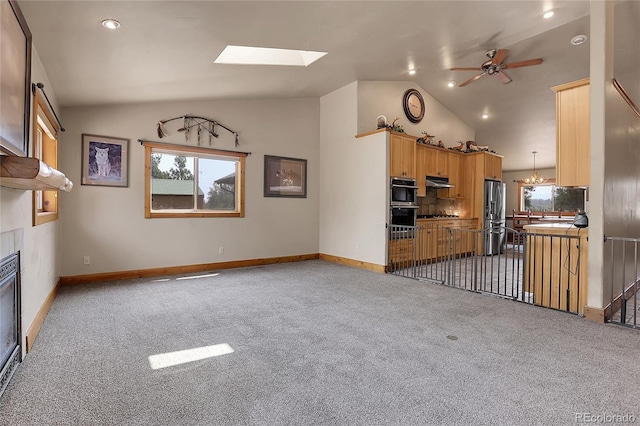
x: 437, y: 162
x: 402, y: 155
x: 492, y: 166
x: 573, y: 156
x: 456, y: 175
x: 421, y: 169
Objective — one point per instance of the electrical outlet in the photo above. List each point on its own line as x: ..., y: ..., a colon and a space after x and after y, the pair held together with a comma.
x: 220, y: 250
x: 87, y: 260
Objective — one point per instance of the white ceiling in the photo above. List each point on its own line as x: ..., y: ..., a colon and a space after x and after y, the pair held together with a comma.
x: 165, y: 51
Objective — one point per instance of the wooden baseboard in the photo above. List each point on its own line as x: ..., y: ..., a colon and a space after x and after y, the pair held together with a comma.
x: 173, y: 270
x: 594, y: 314
x: 34, y: 328
x: 353, y: 263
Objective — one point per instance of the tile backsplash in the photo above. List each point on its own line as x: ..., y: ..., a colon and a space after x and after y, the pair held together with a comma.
x: 431, y: 205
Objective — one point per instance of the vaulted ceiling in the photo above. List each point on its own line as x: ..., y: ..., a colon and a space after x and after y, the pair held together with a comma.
x: 165, y: 51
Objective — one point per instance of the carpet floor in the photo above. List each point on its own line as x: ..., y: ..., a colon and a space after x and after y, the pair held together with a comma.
x: 315, y: 343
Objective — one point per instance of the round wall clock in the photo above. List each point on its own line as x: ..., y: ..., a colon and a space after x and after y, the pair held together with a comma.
x: 413, y: 105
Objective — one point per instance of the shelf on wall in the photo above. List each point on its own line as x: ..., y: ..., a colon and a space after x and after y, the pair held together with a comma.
x: 31, y: 174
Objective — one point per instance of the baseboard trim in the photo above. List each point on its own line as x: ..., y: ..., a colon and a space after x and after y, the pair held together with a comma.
x: 353, y: 263
x: 594, y: 314
x: 172, y: 270
x: 37, y: 322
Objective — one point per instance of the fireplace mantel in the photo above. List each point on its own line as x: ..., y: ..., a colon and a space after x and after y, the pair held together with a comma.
x: 31, y: 174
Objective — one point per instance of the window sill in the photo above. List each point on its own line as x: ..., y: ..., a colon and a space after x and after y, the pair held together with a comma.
x: 182, y: 214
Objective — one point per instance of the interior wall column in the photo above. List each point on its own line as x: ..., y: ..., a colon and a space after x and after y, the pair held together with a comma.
x: 601, y: 74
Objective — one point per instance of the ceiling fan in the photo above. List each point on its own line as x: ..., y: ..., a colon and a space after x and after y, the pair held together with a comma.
x: 494, y: 66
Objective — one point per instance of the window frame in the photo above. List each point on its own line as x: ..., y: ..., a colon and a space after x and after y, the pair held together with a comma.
x: 49, y: 156
x: 548, y: 182
x: 191, y: 151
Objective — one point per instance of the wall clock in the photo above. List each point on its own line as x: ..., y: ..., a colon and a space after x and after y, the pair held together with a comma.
x: 413, y: 105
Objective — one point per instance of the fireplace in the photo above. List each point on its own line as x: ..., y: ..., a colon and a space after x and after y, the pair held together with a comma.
x: 10, y: 336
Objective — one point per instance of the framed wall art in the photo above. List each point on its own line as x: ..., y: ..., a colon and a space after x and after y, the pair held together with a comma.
x: 15, y: 80
x: 285, y: 177
x: 104, y: 161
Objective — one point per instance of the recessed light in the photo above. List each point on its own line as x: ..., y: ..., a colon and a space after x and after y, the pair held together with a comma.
x: 451, y: 84
x: 111, y: 24
x: 548, y: 14
x: 412, y: 71
x: 579, y: 39
x: 249, y: 55
x: 485, y: 116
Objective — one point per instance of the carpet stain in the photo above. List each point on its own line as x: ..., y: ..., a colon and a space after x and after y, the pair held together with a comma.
x: 452, y: 337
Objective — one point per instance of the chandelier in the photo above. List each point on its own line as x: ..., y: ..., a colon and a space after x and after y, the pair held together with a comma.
x: 534, y: 179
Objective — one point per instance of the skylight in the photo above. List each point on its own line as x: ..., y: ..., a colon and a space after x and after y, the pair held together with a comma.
x: 247, y: 55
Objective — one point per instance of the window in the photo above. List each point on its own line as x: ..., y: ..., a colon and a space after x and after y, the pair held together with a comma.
x: 45, y: 148
x: 184, y: 181
x: 549, y: 197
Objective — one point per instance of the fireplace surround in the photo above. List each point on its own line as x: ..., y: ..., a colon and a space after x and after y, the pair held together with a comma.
x: 10, y: 334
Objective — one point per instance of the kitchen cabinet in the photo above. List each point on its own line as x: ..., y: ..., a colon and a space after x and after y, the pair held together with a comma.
x: 437, y: 162
x: 445, y: 238
x: 492, y: 166
x: 401, y: 253
x: 402, y: 156
x: 573, y: 157
x: 456, y: 175
x: 421, y: 169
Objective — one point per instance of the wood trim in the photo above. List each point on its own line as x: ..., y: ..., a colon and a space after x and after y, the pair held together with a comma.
x: 37, y: 322
x: 172, y: 270
x: 570, y: 85
x: 594, y: 314
x: 353, y: 263
x: 189, y: 213
x: 194, y: 149
x: 147, y: 181
x: 626, y: 97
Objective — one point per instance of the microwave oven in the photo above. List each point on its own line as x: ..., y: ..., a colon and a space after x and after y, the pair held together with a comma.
x: 404, y: 192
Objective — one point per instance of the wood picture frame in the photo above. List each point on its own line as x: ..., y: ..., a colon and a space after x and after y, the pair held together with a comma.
x: 15, y: 80
x: 104, y: 161
x: 285, y: 177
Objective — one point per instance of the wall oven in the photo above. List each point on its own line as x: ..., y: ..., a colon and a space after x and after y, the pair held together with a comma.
x: 404, y: 192
x: 404, y: 201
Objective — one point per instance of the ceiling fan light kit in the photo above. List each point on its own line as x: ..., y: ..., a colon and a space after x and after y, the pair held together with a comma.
x: 495, y: 66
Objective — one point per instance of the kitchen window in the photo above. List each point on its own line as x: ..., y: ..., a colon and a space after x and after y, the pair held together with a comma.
x: 45, y: 148
x: 549, y: 197
x: 184, y: 181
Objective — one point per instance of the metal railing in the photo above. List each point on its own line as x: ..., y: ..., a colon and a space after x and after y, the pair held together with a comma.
x: 621, y: 281
x: 536, y: 268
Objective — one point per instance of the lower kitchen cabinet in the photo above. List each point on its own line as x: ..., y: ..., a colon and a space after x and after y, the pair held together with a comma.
x: 401, y: 253
x: 438, y: 239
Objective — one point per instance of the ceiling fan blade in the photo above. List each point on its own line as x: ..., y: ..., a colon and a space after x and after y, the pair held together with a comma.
x: 502, y: 77
x: 472, y: 79
x: 522, y: 63
x: 499, y: 57
x: 465, y: 69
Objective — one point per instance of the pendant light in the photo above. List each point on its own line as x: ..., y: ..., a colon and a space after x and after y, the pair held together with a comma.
x: 534, y: 179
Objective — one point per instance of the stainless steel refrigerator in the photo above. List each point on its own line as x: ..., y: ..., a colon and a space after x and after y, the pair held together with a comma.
x: 494, y: 216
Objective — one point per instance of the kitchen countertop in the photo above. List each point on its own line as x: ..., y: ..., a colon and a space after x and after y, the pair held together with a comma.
x: 556, y: 228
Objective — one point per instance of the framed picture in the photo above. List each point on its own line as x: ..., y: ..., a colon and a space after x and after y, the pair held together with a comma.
x: 285, y: 177
x: 104, y: 161
x: 15, y: 80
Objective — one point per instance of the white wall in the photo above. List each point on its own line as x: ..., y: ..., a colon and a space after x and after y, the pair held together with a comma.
x: 353, y: 182
x: 38, y: 244
x: 385, y: 98
x: 108, y: 224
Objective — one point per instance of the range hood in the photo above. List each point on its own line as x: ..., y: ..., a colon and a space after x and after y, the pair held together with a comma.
x: 437, y: 182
